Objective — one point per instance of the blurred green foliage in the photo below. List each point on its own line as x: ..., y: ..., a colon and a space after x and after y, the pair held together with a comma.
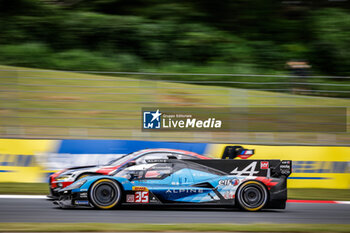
x: 257, y: 36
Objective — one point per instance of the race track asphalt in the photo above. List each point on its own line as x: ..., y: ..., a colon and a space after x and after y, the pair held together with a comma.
x: 41, y: 210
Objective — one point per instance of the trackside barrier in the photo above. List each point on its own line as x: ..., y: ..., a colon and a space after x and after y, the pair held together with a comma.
x: 30, y: 160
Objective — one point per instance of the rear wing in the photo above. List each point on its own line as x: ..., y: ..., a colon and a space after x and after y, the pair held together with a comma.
x: 231, y: 152
x: 267, y: 168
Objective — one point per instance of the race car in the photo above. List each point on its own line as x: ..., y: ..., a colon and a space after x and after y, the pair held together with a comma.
x: 67, y: 176
x: 248, y: 184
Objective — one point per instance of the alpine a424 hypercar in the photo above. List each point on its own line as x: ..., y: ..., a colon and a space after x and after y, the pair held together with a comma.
x: 247, y: 184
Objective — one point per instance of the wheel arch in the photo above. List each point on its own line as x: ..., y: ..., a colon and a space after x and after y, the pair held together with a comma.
x: 87, y: 173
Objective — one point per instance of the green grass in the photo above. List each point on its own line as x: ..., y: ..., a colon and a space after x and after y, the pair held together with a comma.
x: 117, y: 115
x: 24, y: 188
x: 320, y: 194
x: 308, y: 194
x: 187, y: 227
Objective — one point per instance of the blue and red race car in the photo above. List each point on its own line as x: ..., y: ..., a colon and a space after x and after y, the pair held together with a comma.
x: 66, y: 177
x: 248, y: 184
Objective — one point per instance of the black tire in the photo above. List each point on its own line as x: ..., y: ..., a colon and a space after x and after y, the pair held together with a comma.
x: 252, y: 196
x: 105, y: 194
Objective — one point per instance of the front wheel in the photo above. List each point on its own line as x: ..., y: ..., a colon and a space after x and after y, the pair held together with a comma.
x: 252, y: 196
x: 105, y: 194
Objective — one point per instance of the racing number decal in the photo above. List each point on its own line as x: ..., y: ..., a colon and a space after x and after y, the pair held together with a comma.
x: 141, y: 197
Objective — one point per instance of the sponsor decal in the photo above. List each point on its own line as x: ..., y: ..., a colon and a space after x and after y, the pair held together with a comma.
x: 285, y: 167
x: 139, y: 188
x: 229, y: 195
x: 184, y: 191
x: 130, y: 198
x: 264, y: 165
x: 83, y: 195
x: 229, y: 182
x: 153, y: 200
x: 245, y: 154
x: 153, y: 174
x: 157, y: 160
x: 249, y: 170
x: 78, y: 202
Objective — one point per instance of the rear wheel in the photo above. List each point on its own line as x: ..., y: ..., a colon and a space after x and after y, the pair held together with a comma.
x: 105, y: 194
x: 252, y: 196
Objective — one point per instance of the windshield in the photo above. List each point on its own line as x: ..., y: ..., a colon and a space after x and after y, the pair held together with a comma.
x: 147, y: 171
x: 115, y: 161
x: 133, y: 170
x: 122, y: 159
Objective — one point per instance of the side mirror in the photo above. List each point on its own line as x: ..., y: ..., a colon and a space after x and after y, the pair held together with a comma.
x: 134, y: 175
x: 130, y: 177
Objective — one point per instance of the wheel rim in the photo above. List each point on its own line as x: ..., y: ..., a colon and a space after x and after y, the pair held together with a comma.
x: 105, y: 194
x: 253, y: 196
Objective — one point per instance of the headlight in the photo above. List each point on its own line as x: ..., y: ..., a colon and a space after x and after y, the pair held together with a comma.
x: 63, y: 178
x: 67, y: 176
x: 77, y: 184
